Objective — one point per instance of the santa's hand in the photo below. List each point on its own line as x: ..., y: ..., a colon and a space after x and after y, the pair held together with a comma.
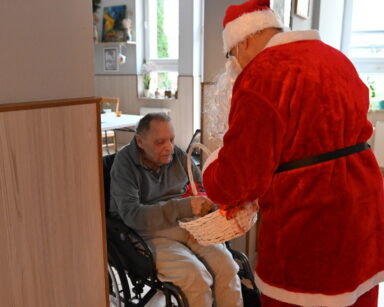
x: 200, y: 205
x: 230, y: 212
x: 255, y: 205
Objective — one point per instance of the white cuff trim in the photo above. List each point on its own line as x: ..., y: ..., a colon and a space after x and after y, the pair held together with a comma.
x: 318, y: 299
x: 212, y: 157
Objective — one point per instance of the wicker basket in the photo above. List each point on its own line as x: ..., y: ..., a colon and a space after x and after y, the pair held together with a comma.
x: 214, y: 227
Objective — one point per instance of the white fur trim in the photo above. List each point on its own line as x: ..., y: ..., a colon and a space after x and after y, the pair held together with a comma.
x: 212, y: 157
x: 318, y: 299
x: 292, y: 36
x: 238, y: 29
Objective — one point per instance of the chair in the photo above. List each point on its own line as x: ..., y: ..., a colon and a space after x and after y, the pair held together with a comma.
x: 131, y: 266
x: 109, y: 104
x: 196, y: 154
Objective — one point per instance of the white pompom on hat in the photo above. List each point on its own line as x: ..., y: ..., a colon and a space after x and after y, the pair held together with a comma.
x: 247, y: 18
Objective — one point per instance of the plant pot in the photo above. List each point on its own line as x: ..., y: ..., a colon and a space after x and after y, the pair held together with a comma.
x: 146, y: 93
x: 168, y: 94
x: 381, y: 104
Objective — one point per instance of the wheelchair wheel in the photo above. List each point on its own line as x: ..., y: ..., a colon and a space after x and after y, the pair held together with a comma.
x: 119, y: 289
x: 114, y: 287
x: 174, y: 297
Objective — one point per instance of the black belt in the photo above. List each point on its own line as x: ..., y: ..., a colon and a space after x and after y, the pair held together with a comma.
x: 322, y: 158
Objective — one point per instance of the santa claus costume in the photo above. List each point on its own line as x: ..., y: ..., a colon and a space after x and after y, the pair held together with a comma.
x: 296, y: 138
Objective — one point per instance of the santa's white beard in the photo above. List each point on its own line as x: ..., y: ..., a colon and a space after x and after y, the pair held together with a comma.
x: 219, y: 103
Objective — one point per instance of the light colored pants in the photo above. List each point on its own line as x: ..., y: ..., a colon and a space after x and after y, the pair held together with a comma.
x: 197, y: 270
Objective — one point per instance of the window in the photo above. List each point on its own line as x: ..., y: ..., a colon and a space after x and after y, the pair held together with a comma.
x: 364, y: 44
x: 162, y: 43
x: 375, y: 83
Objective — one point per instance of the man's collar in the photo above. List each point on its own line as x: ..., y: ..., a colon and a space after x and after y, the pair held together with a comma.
x: 292, y: 36
x: 135, y: 152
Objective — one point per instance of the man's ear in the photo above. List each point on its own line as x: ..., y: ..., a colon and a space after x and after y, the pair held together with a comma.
x: 139, y: 140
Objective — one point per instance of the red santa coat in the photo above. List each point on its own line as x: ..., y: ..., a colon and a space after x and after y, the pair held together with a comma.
x: 321, y: 240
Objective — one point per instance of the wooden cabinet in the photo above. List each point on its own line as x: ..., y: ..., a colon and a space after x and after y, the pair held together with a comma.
x: 52, y: 214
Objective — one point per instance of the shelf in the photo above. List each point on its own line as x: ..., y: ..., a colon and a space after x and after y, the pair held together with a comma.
x: 157, y: 99
x: 116, y: 43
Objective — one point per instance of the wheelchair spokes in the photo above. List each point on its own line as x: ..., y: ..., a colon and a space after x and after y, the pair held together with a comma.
x: 115, y: 291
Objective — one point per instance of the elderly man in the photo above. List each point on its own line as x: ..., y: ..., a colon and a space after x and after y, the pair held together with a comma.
x: 296, y: 141
x: 148, y: 180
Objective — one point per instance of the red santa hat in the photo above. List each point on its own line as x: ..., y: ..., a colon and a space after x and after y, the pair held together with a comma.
x: 247, y: 18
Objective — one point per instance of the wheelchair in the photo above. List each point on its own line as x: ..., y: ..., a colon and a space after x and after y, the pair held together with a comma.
x: 131, y: 267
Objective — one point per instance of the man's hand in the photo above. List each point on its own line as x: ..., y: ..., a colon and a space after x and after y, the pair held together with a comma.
x: 200, y: 205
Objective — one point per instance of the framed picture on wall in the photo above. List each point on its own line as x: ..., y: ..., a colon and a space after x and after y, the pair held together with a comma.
x: 110, y: 59
x: 283, y: 8
x: 113, y: 23
x: 302, y: 8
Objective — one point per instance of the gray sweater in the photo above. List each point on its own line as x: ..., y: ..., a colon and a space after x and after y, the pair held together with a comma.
x: 150, y: 202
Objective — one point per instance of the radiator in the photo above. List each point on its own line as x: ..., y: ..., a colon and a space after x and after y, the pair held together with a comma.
x: 146, y: 110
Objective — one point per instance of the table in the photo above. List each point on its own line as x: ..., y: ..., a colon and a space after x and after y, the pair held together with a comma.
x: 111, y: 122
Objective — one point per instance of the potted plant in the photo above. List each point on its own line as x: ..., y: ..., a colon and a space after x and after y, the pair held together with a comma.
x: 148, y: 67
x: 147, y: 84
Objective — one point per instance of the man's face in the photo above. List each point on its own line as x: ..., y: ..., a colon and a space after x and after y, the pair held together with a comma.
x: 157, y: 142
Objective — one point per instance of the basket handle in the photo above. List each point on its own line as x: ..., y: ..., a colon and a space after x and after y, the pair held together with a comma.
x: 189, y: 164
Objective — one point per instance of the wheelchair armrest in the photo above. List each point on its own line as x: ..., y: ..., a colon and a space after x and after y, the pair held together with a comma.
x: 133, y: 252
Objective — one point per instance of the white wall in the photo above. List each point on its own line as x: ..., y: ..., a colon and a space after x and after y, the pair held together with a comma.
x: 131, y: 51
x: 186, y: 59
x: 331, y: 22
x: 302, y: 24
x: 214, y: 57
x: 46, y: 50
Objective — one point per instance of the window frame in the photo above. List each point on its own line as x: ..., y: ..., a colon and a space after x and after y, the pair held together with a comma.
x: 362, y: 64
x: 162, y: 65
